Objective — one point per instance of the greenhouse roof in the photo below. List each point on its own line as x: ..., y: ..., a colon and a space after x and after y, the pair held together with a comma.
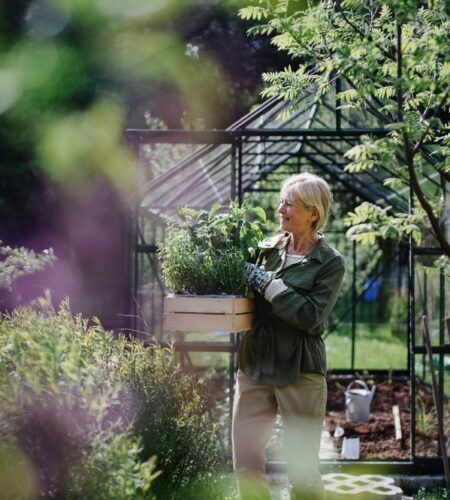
x: 261, y: 149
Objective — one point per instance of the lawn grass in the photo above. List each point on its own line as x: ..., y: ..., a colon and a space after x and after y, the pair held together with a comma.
x: 375, y: 348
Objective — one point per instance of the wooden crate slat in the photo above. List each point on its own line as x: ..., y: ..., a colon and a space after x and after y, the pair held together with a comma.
x: 208, y: 304
x: 197, y: 322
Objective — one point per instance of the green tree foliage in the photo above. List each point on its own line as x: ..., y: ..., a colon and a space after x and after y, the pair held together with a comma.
x: 70, y: 71
x: 75, y: 74
x: 212, y: 29
x: 395, y: 60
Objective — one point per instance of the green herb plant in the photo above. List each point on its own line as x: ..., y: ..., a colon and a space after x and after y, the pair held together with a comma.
x: 425, y: 419
x: 204, y: 252
x: 435, y: 494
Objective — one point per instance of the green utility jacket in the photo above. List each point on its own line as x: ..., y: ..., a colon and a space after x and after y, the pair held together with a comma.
x: 286, y: 337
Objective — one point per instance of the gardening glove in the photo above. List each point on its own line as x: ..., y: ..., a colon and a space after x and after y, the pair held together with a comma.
x: 257, y: 278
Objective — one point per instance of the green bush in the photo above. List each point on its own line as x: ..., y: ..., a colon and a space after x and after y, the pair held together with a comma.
x: 61, y: 415
x: 88, y: 412
x: 175, y: 426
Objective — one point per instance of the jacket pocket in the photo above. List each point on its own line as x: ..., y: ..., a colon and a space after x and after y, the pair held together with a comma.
x: 299, y: 283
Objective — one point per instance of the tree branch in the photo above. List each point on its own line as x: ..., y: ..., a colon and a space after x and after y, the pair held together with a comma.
x: 437, y: 111
x: 434, y: 221
x: 359, y: 31
x: 382, y: 117
x: 445, y: 176
x: 399, y: 72
x: 288, y: 29
x: 410, y: 152
x: 347, y: 20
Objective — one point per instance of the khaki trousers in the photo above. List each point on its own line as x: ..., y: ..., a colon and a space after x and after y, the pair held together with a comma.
x: 302, y: 408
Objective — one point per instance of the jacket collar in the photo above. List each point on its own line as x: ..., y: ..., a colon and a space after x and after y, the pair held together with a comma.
x: 319, y: 250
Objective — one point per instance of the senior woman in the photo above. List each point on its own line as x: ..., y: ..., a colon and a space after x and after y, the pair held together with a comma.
x: 282, y: 361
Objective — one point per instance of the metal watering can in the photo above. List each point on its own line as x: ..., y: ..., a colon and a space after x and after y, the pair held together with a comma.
x: 357, y: 401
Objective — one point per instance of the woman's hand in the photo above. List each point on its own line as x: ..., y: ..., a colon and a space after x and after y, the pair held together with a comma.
x: 257, y: 278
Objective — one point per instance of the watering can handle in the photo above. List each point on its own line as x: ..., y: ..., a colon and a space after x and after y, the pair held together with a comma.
x: 360, y: 382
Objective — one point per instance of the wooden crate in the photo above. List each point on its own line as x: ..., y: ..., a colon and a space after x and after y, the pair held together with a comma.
x: 207, y: 313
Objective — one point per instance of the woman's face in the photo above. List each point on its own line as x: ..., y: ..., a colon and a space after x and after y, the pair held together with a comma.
x: 294, y: 216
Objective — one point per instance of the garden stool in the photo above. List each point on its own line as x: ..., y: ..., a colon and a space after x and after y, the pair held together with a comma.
x: 364, y: 487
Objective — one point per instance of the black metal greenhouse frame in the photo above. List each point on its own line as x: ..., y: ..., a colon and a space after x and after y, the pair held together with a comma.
x: 236, y: 137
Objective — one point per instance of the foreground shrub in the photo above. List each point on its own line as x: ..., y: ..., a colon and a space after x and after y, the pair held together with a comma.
x: 174, y: 425
x: 87, y: 412
x: 170, y: 414
x: 60, y: 417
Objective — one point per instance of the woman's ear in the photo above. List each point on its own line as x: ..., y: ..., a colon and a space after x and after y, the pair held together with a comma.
x: 314, y: 215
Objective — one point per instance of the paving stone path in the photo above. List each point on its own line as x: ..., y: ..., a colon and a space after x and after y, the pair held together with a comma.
x: 341, y: 486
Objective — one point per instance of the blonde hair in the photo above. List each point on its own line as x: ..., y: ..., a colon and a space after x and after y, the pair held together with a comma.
x: 313, y: 192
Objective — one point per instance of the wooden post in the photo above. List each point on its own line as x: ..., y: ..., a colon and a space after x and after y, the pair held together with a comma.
x: 397, y: 422
x: 442, y: 444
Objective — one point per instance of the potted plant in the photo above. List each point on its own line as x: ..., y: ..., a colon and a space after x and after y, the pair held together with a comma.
x: 203, y: 260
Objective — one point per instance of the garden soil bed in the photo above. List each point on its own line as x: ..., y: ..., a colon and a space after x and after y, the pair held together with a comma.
x: 377, y: 436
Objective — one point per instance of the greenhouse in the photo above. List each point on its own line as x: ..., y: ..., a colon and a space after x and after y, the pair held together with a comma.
x: 376, y: 332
